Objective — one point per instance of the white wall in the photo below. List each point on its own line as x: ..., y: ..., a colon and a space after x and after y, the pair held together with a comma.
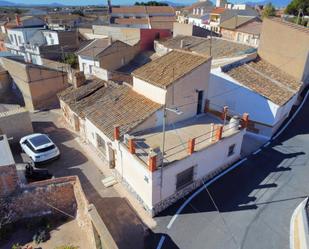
x: 224, y: 90
x: 87, y: 62
x: 135, y: 173
x: 205, y: 162
x: 51, y: 37
x: 150, y: 91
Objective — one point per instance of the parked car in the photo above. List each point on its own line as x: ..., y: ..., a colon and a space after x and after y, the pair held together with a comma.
x: 33, y: 174
x: 39, y: 147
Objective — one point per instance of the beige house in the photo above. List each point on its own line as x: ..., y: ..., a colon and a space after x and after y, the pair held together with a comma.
x: 286, y: 45
x: 124, y: 123
x: 102, y: 56
x: 243, y: 29
x: 38, y: 85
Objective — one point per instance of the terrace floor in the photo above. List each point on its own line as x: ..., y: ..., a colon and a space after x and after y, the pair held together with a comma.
x: 177, y: 136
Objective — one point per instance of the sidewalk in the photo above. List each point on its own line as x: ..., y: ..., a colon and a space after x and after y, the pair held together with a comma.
x: 126, y: 220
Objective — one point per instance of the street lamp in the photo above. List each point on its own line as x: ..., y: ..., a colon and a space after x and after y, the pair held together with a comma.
x: 177, y: 112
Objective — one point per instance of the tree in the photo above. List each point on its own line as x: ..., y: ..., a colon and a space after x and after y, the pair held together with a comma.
x: 71, y: 59
x: 296, y: 5
x: 269, y: 10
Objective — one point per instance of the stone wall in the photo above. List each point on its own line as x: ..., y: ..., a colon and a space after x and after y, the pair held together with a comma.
x: 8, y: 180
x: 55, y: 196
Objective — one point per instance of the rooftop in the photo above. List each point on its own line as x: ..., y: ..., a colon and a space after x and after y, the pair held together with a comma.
x: 253, y: 27
x: 143, y: 10
x: 177, y: 136
x: 218, y: 10
x: 265, y: 79
x: 169, y: 68
x: 6, y: 157
x: 235, y: 22
x: 220, y: 48
x: 79, y: 99
x: 291, y: 25
x: 107, y: 104
x: 96, y: 47
x: 119, y: 105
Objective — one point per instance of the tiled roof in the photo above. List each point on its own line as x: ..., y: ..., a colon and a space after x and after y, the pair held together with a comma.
x: 167, y: 69
x: 220, y: 48
x: 131, y: 9
x: 253, y: 27
x: 265, y: 79
x: 78, y: 98
x: 131, y: 21
x: 162, y: 22
x: 218, y: 10
x: 119, y: 105
x: 143, y: 10
x: 96, y: 47
x: 235, y: 22
x: 291, y: 25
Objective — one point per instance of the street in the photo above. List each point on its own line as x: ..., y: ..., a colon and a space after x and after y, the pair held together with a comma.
x: 252, y: 205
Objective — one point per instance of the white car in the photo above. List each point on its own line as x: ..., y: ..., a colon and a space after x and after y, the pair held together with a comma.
x: 39, y: 147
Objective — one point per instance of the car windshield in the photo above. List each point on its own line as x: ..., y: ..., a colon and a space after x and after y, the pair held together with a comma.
x: 45, y: 149
x: 39, y: 140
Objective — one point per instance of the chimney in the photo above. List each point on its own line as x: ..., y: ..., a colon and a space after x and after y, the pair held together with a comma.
x: 182, y: 44
x: 79, y: 79
x: 8, y: 19
x: 17, y: 20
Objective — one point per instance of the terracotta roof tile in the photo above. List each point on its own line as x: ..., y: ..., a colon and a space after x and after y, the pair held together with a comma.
x: 265, y: 79
x: 120, y: 105
x: 167, y: 69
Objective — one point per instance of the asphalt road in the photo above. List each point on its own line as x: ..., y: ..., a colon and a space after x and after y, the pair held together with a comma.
x: 254, y: 202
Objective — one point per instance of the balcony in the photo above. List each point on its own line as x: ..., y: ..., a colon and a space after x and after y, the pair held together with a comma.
x: 9, y: 45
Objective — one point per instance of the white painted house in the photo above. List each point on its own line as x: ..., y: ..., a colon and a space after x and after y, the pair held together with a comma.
x: 124, y: 124
x: 101, y: 56
x: 256, y: 87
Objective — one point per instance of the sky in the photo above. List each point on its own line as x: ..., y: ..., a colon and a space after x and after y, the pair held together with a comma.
x: 90, y: 2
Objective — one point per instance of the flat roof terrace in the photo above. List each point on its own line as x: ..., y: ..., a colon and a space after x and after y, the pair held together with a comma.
x: 178, y: 135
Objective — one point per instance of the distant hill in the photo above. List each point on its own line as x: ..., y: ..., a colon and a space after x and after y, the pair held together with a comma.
x: 9, y: 4
x: 276, y: 3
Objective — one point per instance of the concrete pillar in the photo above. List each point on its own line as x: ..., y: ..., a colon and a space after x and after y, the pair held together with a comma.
x: 245, y: 120
x: 206, y: 107
x: 219, y: 132
x: 212, y: 132
x: 224, y: 112
x: 191, y: 145
x: 117, y: 132
x: 131, y: 146
x: 152, y: 162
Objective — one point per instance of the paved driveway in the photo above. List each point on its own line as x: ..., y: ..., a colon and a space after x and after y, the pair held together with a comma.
x: 253, y: 203
x: 123, y: 223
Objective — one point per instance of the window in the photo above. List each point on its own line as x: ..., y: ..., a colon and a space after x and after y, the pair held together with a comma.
x: 231, y: 150
x: 90, y: 69
x: 19, y: 40
x: 101, y: 144
x: 52, y: 41
x: 184, y: 178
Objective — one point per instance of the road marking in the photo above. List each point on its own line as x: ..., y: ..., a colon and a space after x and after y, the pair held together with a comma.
x: 291, y: 119
x: 201, y: 189
x: 256, y: 152
x: 265, y: 145
x: 161, y: 242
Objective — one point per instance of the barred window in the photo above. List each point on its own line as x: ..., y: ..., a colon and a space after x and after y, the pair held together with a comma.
x: 184, y: 178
